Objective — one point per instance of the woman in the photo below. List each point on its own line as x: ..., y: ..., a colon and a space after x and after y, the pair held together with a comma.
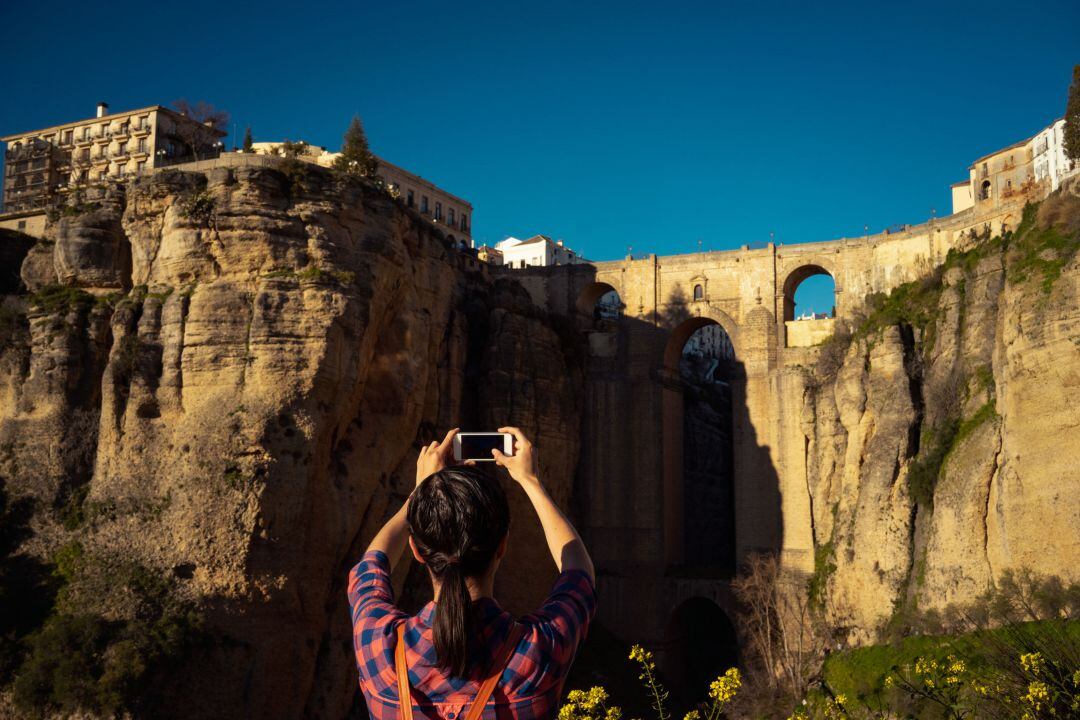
x: 463, y: 657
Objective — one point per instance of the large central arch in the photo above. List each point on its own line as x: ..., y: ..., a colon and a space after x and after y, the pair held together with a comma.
x: 673, y: 409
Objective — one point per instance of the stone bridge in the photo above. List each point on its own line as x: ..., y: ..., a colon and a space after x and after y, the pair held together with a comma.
x: 630, y: 479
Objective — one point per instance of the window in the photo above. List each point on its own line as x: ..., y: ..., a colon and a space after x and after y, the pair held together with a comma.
x: 464, y: 222
x: 67, y: 136
x: 438, y: 211
x: 22, y: 225
x: 699, y: 292
x: 85, y: 154
x: 423, y: 204
x: 140, y: 167
x: 142, y: 145
x: 123, y: 148
x: 409, y: 198
x: 123, y: 128
x: 121, y: 168
x: 450, y: 216
x: 86, y: 133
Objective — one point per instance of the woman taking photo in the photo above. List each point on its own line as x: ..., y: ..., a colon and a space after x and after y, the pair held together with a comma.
x: 462, y: 657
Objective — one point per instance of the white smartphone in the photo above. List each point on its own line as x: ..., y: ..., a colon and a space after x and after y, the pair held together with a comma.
x: 478, y: 445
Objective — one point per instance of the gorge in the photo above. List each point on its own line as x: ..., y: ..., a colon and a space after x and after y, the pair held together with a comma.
x: 214, y: 384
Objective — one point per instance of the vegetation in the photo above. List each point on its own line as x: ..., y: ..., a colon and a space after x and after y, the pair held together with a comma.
x: 594, y: 703
x: 198, y: 206
x: 356, y: 157
x: 1072, y: 118
x: 313, y: 273
x: 1046, y: 241
x: 60, y: 298
x: 83, y: 660
x: 249, y: 144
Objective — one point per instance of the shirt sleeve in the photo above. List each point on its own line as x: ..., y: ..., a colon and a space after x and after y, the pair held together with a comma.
x: 559, y: 627
x: 374, y: 616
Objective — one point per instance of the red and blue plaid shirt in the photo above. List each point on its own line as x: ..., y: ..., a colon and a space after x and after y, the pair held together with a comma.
x: 531, y: 683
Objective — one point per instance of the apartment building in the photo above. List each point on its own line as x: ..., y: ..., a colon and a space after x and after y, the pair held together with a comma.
x: 439, y: 207
x: 39, y: 164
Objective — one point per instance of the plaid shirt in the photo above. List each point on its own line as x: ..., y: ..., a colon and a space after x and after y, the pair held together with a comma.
x: 531, y: 684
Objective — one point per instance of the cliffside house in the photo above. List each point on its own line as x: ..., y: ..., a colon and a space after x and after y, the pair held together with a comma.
x: 1033, y: 166
x: 41, y: 164
x: 537, y: 251
x: 439, y: 207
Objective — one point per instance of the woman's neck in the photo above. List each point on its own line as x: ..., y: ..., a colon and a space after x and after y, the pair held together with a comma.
x: 478, y: 587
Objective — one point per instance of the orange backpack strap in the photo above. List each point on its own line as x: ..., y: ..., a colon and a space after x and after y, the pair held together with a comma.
x: 404, y: 692
x: 501, y: 660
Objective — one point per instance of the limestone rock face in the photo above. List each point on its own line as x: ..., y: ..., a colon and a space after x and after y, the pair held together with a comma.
x: 252, y: 409
x: 990, y: 388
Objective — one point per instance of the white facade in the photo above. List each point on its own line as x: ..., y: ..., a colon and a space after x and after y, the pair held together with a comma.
x: 537, y: 251
x: 1048, y: 155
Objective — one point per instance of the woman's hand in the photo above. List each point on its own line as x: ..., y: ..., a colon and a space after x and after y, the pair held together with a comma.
x: 435, y: 456
x: 522, y: 464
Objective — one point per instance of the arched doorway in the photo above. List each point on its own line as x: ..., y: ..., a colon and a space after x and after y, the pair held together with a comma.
x: 599, y: 301
x: 701, y: 645
x: 699, y: 449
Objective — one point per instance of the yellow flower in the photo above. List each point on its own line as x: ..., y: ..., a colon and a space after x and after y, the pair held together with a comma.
x: 1038, y: 693
x: 692, y: 715
x: 723, y: 688
x: 889, y: 681
x: 1032, y: 663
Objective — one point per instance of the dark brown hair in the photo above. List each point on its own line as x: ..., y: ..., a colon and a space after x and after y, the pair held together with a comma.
x: 457, y: 517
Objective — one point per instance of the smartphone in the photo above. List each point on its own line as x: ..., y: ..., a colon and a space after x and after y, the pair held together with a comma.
x: 478, y: 445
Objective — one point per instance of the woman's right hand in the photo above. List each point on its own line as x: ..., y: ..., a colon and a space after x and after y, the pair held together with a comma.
x: 522, y: 464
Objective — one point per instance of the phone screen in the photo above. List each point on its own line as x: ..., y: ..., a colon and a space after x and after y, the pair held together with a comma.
x: 479, y: 447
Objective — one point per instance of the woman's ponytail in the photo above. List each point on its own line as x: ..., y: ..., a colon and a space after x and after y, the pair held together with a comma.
x: 453, y: 620
x: 458, y: 517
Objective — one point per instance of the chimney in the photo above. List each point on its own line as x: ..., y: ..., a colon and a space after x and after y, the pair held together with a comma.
x: 102, y: 109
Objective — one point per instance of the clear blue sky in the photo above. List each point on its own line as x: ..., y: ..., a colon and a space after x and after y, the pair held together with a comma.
x: 606, y: 124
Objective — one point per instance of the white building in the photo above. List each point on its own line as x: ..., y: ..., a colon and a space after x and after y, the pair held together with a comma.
x: 537, y: 251
x: 1048, y: 155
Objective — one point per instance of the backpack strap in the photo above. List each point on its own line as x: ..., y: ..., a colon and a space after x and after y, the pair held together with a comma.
x: 476, y: 709
x: 404, y: 691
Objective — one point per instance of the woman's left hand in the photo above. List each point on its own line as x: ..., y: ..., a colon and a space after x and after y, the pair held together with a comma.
x: 435, y: 456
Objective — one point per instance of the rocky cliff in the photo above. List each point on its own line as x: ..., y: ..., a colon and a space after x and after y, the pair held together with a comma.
x: 209, y: 401
x: 941, y: 432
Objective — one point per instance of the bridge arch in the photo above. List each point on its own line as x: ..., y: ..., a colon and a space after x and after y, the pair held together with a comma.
x: 795, y: 278
x: 590, y: 297
x: 676, y: 521
x: 701, y: 644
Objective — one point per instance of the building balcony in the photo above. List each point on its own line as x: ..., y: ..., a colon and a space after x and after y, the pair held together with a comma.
x: 141, y: 130
x: 99, y: 159
x: 83, y: 141
x: 122, y: 132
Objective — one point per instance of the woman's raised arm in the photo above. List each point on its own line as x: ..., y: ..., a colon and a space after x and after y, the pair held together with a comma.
x: 567, y: 549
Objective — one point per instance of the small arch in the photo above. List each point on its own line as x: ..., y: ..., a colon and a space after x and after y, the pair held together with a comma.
x: 984, y: 190
x: 699, y: 292
x: 599, y: 301
x: 796, y: 278
x: 701, y: 644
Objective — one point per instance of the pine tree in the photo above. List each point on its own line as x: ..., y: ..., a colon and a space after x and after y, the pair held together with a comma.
x: 248, y: 143
x: 1072, y: 118
x: 356, y: 157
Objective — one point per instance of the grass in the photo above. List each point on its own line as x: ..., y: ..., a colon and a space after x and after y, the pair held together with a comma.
x: 861, y: 673
x: 1040, y: 251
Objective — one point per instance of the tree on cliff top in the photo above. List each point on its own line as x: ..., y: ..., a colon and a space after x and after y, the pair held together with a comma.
x: 248, y: 142
x: 356, y: 157
x: 1072, y: 118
